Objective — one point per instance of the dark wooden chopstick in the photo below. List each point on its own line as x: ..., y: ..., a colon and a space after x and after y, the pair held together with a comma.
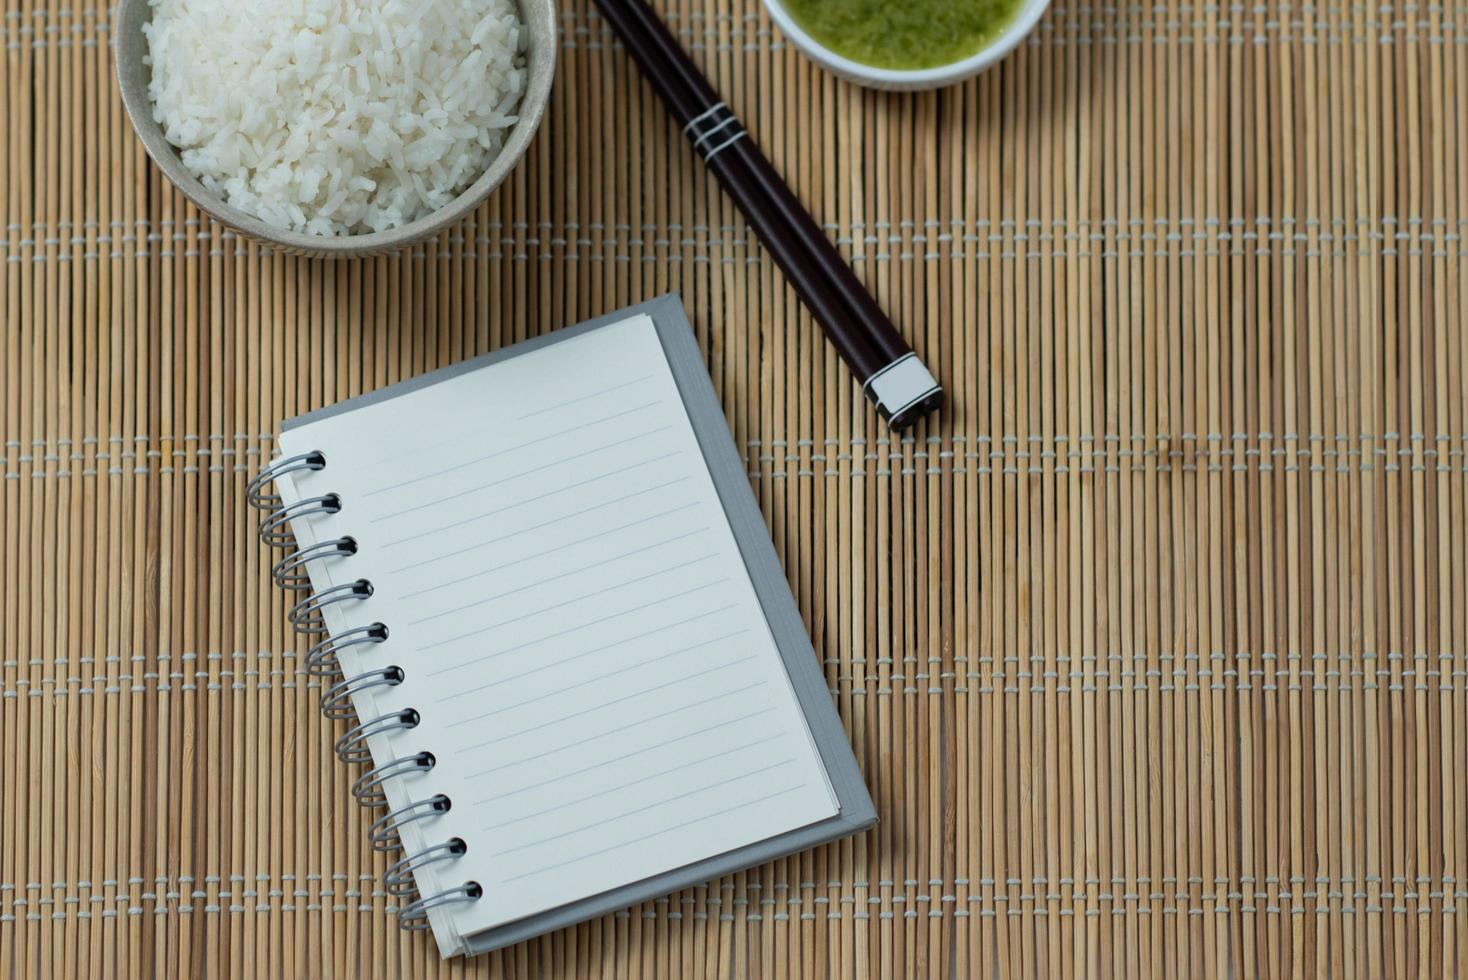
x: 892, y: 376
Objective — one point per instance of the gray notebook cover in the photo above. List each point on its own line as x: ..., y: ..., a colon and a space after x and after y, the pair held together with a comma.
x: 701, y: 403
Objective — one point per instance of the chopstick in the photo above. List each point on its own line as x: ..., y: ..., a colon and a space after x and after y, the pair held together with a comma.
x: 891, y: 374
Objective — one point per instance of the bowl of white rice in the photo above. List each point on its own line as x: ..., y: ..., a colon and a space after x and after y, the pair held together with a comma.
x: 336, y: 127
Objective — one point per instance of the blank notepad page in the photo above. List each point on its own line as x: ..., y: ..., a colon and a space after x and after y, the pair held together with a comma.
x: 575, y: 624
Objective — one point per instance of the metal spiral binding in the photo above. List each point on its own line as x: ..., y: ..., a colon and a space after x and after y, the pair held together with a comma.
x: 397, y: 881
x: 352, y: 747
x: 336, y: 703
x: 290, y: 572
x: 275, y: 529
x: 368, y: 789
x: 314, y: 460
x: 323, y: 660
x: 414, y: 917
x: 383, y: 834
x: 305, y: 616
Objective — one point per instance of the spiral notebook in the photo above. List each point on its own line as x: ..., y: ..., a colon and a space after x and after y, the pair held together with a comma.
x: 543, y: 602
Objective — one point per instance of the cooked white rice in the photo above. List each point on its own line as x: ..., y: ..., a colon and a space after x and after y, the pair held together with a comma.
x: 336, y: 117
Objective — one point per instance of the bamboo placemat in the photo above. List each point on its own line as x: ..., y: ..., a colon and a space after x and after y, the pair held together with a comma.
x: 1154, y: 647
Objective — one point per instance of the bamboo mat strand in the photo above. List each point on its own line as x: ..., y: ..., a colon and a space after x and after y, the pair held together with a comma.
x: 1153, y: 647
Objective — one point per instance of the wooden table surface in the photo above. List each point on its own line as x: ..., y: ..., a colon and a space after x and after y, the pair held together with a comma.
x: 1153, y: 646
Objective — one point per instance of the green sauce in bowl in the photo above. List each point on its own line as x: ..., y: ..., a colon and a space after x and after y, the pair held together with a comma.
x: 906, y: 35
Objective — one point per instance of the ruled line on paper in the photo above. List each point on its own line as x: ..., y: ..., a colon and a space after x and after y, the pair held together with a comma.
x: 566, y: 574
x: 459, y: 579
x: 649, y: 806
x: 631, y: 754
x: 657, y: 833
x: 618, y: 730
x: 480, y: 488
x: 460, y: 437
x: 523, y: 530
x: 601, y: 677
x: 537, y: 441
x: 594, y: 394
x: 572, y: 629
x: 567, y: 602
x: 538, y: 469
x: 634, y: 782
x: 596, y: 707
x: 580, y: 656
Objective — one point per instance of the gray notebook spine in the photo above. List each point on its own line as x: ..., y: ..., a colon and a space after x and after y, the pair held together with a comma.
x: 307, y: 618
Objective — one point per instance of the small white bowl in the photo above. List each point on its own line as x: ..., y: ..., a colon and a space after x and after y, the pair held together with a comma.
x: 899, y: 80
x: 130, y: 48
